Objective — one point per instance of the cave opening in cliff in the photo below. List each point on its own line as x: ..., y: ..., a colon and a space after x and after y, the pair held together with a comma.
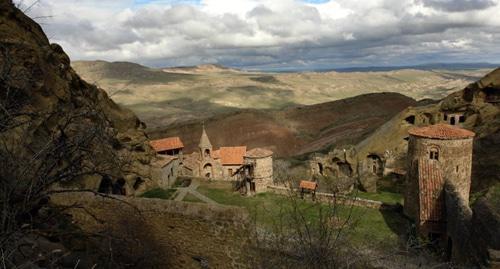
x: 410, y: 119
x: 119, y: 187
x: 106, y: 185
x: 345, y: 168
x: 492, y: 95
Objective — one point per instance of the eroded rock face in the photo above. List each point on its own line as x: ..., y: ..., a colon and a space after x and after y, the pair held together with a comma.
x: 52, y: 120
x: 476, y: 108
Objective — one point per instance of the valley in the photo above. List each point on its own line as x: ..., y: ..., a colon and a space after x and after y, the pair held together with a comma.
x: 171, y: 95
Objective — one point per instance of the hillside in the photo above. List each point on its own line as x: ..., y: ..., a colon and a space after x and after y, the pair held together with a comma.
x: 58, y: 134
x: 296, y: 130
x: 478, y: 104
x: 164, y: 96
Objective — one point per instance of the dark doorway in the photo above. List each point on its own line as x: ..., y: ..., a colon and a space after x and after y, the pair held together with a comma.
x: 410, y: 119
x: 452, y: 120
x: 320, y: 167
x: 106, y: 185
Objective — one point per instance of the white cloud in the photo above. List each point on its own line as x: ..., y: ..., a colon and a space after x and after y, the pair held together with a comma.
x: 274, y: 32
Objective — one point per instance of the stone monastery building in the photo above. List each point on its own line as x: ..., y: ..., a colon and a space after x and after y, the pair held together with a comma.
x: 253, y: 169
x: 225, y: 162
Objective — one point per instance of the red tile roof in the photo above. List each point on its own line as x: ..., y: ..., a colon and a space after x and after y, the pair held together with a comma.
x: 216, y: 154
x: 309, y: 185
x: 168, y: 143
x: 441, y: 131
x: 259, y: 153
x: 232, y: 155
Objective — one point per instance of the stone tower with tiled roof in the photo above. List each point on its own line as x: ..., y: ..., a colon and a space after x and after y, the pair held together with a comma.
x: 437, y: 154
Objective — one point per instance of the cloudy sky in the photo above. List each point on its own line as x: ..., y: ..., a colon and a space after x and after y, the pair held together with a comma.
x: 274, y: 33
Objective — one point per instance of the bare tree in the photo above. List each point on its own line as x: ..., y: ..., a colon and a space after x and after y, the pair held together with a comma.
x: 307, y: 234
x: 41, y: 152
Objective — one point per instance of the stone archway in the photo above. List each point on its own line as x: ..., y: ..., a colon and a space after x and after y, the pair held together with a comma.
x: 208, y: 170
x: 375, y: 164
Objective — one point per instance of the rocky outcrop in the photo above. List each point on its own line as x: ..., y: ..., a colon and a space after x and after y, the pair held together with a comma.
x: 61, y: 127
x: 485, y: 234
x: 475, y: 108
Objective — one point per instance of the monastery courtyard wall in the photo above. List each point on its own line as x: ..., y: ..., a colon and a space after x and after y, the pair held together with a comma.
x: 175, y: 234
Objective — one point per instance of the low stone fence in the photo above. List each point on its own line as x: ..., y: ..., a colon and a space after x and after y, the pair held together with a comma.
x: 172, y: 234
x: 341, y: 198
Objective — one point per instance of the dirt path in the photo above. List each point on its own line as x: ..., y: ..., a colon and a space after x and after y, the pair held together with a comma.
x: 182, y: 192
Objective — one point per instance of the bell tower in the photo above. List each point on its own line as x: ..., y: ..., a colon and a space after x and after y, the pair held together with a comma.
x: 205, y: 146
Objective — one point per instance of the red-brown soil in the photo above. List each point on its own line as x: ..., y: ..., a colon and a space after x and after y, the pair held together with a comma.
x: 294, y: 131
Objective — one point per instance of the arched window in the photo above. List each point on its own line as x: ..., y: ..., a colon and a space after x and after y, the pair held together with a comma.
x: 208, y: 170
x: 434, y: 154
x: 207, y: 153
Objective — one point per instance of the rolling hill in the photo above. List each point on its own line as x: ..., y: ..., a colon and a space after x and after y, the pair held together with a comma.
x: 296, y: 130
x: 161, y: 97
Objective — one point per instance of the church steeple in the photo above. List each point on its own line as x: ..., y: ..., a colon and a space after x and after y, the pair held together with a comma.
x: 205, y: 145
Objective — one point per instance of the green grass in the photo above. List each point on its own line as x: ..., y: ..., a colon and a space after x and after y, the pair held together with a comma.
x: 159, y: 193
x: 370, y: 226
x: 382, y: 196
x: 191, y: 198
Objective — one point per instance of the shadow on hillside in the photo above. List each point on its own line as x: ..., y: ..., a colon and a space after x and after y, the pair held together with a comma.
x: 396, y: 221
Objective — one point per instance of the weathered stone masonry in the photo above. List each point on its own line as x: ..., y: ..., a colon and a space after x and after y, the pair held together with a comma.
x: 178, y: 234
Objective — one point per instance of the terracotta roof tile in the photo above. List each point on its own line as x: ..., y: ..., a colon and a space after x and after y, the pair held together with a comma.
x: 168, y: 143
x: 216, y: 154
x: 232, y: 155
x: 259, y: 153
x: 441, y: 131
x: 309, y: 185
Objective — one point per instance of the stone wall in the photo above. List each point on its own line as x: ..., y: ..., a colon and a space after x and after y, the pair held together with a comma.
x: 340, y: 198
x: 169, y: 174
x: 173, y: 234
x: 263, y: 172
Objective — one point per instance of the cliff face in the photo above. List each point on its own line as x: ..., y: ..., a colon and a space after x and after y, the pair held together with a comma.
x: 476, y: 108
x: 56, y: 127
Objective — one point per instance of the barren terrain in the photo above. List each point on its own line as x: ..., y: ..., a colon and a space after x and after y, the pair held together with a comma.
x: 164, y: 96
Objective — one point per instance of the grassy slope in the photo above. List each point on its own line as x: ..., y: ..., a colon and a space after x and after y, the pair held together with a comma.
x: 371, y: 226
x: 159, y: 193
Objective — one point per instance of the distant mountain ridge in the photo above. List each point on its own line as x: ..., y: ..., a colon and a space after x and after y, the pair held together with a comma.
x: 426, y: 67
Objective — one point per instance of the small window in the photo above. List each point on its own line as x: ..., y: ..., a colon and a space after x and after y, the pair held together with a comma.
x: 452, y: 120
x: 461, y: 119
x: 230, y: 171
x: 457, y: 169
x: 434, y: 154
